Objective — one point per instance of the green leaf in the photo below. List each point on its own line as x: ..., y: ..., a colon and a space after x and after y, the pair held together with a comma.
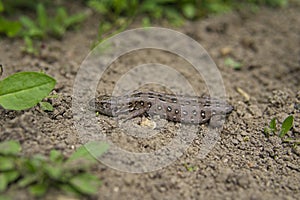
x: 38, y: 190
x: 10, y: 147
x: 58, y: 30
x: 54, y: 172
x: 287, y: 124
x: 27, y: 22
x: 229, y: 62
x: 7, y: 163
x: 32, y: 30
x: 24, y: 90
x: 89, y: 151
x: 189, y: 10
x: 104, y: 27
x: 267, y: 132
x: 29, y: 47
x: 34, y: 164
x: 10, y: 28
x: 273, y: 125
x: 61, y: 15
x: 42, y: 16
x: 74, y: 19
x: 27, y: 180
x: 56, y: 156
x: 46, y: 106
x: 148, y: 6
x: 146, y: 22
x: 1, y: 6
x: 218, y: 7
x: 69, y: 189
x: 175, y: 18
x: 86, y: 183
x: 98, y: 6
x: 3, y: 183
x: 6, y: 178
x: 38, y: 158
x: 11, y: 175
x: 52, y: 96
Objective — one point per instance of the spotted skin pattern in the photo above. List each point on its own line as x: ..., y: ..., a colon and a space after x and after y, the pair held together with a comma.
x: 176, y: 108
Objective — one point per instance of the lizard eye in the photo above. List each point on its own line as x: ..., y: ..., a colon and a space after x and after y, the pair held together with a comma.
x: 203, y: 114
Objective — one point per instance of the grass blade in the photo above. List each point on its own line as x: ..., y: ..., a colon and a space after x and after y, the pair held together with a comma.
x: 273, y: 125
x: 42, y: 16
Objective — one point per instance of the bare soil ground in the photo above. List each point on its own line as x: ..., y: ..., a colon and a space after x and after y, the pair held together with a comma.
x: 244, y: 164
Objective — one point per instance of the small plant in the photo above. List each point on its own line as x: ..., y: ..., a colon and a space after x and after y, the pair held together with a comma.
x: 190, y: 168
x: 39, y: 173
x: 286, y: 125
x: 118, y: 14
x: 29, y: 46
x: 46, y: 25
x: 271, y: 129
x: 7, y: 27
x: 229, y: 62
x: 46, y: 106
x: 24, y: 90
